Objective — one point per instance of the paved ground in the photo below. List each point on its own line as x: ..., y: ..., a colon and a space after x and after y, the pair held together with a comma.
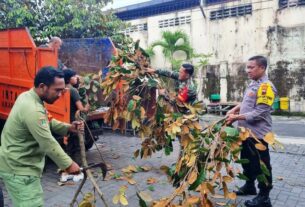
x: 117, y: 150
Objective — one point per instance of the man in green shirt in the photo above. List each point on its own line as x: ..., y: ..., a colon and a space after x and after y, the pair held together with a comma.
x: 26, y: 139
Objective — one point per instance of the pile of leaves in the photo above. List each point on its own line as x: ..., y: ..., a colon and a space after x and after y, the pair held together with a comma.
x: 206, y: 161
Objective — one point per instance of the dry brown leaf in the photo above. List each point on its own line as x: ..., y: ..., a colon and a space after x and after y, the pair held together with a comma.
x: 178, y: 166
x: 145, y: 196
x: 225, y: 190
x: 192, y: 177
x: 137, y: 98
x: 163, y: 203
x: 232, y: 196
x: 130, y: 181
x: 218, y: 196
x: 145, y: 168
x: 260, y: 146
x: 179, y: 190
x: 227, y: 179
x: 192, y: 200
x: 192, y: 160
x: 269, y: 138
x: 123, y: 200
x: 185, y: 129
x: 211, y: 188
x: 130, y: 169
x: 244, y: 135
x: 280, y: 178
x: 197, y: 125
x: 151, y: 180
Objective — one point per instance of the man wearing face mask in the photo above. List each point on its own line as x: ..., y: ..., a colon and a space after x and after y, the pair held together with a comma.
x: 26, y: 139
x: 254, y: 113
x: 186, y: 89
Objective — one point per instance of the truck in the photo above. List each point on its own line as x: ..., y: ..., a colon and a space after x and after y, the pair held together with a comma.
x: 20, y: 59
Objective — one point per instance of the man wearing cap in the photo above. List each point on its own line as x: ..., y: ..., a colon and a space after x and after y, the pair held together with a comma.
x: 254, y: 113
x: 27, y: 138
x: 186, y: 89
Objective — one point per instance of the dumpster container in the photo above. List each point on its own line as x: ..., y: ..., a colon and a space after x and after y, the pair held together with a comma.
x: 215, y: 97
x: 284, y: 103
x: 276, y: 104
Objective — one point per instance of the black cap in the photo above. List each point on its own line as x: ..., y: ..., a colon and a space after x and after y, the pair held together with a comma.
x: 69, y: 73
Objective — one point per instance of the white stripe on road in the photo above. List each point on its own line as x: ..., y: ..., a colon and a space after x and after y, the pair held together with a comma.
x: 291, y: 140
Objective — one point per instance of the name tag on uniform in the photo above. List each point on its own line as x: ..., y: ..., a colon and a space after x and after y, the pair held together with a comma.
x: 265, y: 94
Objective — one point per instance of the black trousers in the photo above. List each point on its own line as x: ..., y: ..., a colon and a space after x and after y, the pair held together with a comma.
x: 253, y: 168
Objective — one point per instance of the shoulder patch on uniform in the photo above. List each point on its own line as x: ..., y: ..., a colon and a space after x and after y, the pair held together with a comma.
x: 265, y: 94
x: 42, y: 121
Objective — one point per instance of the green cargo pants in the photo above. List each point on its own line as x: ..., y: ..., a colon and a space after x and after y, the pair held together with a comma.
x: 24, y: 190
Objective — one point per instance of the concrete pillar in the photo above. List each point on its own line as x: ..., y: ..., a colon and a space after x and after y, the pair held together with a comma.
x: 223, y: 81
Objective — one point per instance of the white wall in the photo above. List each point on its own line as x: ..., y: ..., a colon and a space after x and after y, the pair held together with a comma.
x: 277, y: 34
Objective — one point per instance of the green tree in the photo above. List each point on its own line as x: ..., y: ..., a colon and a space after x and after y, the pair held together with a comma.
x: 63, y: 18
x: 173, y: 42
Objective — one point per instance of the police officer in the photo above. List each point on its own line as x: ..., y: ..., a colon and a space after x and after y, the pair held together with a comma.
x: 26, y: 139
x: 254, y: 113
x: 186, y: 89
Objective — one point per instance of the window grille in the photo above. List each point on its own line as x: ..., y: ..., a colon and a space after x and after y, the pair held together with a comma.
x: 231, y: 12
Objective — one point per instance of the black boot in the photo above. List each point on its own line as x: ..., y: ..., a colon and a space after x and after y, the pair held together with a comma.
x: 259, y: 201
x: 247, y: 189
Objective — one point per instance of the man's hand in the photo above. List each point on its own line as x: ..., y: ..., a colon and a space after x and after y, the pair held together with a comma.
x: 150, y: 70
x: 73, y: 168
x: 235, y: 110
x: 231, y: 118
x: 77, y: 126
x: 232, y: 111
x: 87, y: 107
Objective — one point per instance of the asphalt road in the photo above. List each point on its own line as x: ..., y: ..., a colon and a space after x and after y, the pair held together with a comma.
x: 290, y: 130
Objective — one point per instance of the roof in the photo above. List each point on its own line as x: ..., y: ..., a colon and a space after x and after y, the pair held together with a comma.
x: 154, y: 7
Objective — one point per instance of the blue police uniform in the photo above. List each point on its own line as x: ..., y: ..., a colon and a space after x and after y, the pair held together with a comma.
x: 256, y: 106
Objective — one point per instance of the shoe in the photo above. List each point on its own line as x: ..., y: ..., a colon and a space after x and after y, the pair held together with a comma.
x: 259, y: 201
x: 246, y: 189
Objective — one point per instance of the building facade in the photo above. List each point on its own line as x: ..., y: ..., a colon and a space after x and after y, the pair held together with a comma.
x: 232, y: 31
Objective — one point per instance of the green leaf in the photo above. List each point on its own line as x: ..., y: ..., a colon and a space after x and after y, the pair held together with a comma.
x: 242, y: 176
x: 176, y: 115
x: 262, y: 179
x: 168, y: 150
x: 151, y: 188
x: 264, y: 168
x: 198, y: 181
x: 237, y: 151
x: 130, y: 105
x: 242, y: 161
x: 231, y: 132
x: 152, y: 83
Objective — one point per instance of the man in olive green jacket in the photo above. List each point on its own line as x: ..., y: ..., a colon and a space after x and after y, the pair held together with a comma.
x: 26, y: 139
x: 186, y: 89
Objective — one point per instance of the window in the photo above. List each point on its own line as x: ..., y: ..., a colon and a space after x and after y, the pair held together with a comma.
x: 291, y: 3
x: 231, y: 12
x: 136, y: 28
x: 175, y: 21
